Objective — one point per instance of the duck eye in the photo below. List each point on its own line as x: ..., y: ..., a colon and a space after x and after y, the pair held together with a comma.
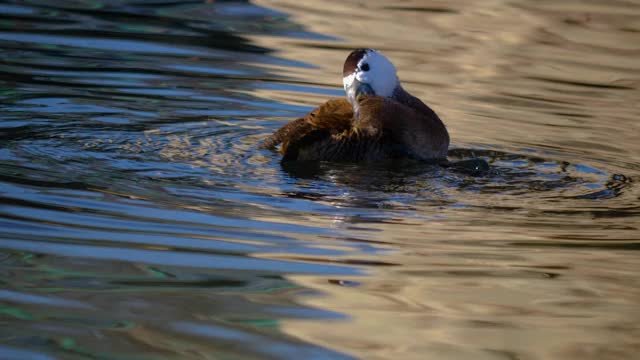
x: 364, y: 67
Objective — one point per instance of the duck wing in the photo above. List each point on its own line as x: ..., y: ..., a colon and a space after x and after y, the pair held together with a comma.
x: 312, y: 133
x: 409, y: 128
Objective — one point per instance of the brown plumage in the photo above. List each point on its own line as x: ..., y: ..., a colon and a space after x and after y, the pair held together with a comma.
x: 380, y: 127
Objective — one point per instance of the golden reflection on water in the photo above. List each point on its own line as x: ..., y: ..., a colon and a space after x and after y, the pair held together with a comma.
x: 561, y: 77
x: 483, y: 303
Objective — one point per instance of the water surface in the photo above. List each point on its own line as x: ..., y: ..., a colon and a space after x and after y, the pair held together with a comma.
x: 139, y: 220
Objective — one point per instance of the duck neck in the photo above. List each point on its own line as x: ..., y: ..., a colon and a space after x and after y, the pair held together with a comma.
x: 401, y: 95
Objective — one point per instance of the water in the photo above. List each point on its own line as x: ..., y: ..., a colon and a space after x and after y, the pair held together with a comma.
x: 139, y: 220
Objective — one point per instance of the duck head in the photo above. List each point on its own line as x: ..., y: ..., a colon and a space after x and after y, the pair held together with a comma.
x: 368, y: 72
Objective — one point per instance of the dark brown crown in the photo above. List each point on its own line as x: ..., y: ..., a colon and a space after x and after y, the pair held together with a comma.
x: 352, y: 61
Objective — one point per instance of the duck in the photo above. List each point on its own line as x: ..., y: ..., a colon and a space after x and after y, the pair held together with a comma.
x: 377, y: 120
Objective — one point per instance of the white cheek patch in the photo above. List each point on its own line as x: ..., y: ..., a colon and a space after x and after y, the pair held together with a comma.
x: 347, y: 81
x: 382, y: 74
x: 362, y: 77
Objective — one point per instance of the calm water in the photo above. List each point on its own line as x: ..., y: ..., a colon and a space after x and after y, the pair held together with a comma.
x: 138, y: 219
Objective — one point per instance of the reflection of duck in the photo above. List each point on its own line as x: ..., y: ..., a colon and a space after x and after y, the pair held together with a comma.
x: 379, y: 120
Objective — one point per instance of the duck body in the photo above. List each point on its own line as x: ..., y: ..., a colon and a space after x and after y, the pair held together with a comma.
x: 365, y: 127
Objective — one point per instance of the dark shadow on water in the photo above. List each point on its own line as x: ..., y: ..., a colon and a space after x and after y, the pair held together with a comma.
x: 386, y: 170
x: 476, y: 170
